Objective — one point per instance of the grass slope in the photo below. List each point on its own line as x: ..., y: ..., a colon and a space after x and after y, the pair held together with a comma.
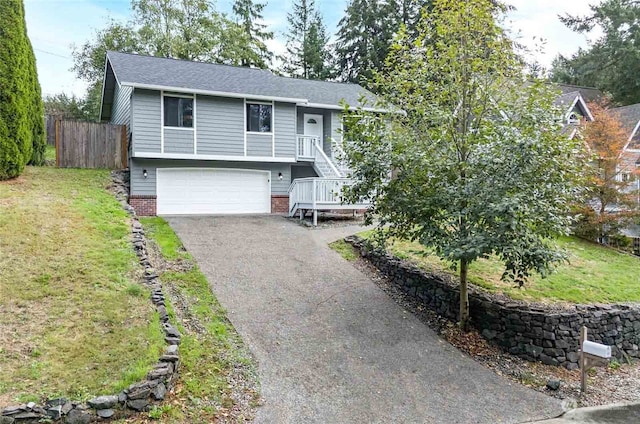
x: 208, y: 357
x: 594, y: 274
x: 75, y: 322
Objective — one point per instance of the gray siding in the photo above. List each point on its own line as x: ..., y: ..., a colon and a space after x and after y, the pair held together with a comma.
x: 327, y: 116
x: 220, y: 126
x: 147, y: 186
x: 259, y: 144
x: 145, y: 121
x: 178, y: 141
x: 285, y: 129
x: 336, y: 125
x: 121, y: 111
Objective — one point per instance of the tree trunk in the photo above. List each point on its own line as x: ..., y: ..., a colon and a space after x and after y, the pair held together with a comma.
x: 464, y: 295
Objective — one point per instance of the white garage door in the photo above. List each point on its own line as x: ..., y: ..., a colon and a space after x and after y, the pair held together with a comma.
x: 192, y: 191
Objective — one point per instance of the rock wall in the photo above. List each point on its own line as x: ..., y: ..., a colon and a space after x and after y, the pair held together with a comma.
x: 535, y: 332
x: 138, y: 396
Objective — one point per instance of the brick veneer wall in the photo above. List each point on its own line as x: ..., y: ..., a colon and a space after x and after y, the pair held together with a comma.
x: 143, y: 205
x: 279, y: 203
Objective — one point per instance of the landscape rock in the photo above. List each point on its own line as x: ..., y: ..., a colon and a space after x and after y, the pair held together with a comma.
x: 6, y: 419
x: 159, y: 392
x: 76, y: 416
x: 105, y: 413
x: 553, y: 384
x: 103, y: 402
x: 138, y: 404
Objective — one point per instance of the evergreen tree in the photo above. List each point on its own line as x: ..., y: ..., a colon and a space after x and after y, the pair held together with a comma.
x: 307, y: 53
x: 36, y: 109
x: 612, y: 61
x: 16, y: 129
x: 366, y: 33
x: 364, y: 38
x: 248, y: 14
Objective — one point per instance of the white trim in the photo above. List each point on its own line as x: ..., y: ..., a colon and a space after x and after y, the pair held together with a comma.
x: 215, y: 93
x: 244, y: 124
x: 338, y: 107
x: 635, y: 129
x: 584, y: 107
x: 195, y: 132
x: 151, y: 155
x: 179, y: 128
x: 180, y: 95
x: 258, y: 102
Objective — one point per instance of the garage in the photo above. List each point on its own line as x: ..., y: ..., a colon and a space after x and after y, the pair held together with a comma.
x: 208, y: 191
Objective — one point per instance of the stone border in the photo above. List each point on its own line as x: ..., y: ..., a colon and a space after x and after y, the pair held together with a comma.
x: 535, y: 332
x: 139, y: 396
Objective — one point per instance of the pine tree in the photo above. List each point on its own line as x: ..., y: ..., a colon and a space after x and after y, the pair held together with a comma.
x: 248, y: 14
x: 16, y: 144
x: 307, y: 53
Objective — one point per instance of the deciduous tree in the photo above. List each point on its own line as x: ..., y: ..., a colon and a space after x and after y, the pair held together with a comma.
x: 480, y: 166
x: 179, y: 29
x: 608, y: 205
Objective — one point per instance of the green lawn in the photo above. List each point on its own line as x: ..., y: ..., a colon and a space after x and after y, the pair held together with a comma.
x: 50, y: 154
x: 209, y: 357
x: 74, y: 320
x: 594, y: 274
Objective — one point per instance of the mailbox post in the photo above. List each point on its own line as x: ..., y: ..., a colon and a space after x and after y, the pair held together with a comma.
x: 591, y: 354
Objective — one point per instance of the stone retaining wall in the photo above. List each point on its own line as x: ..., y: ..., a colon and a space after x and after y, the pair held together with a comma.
x: 138, y: 396
x: 532, y: 331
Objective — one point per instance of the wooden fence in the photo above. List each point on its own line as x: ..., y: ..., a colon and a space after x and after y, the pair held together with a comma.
x: 50, y: 129
x: 90, y: 145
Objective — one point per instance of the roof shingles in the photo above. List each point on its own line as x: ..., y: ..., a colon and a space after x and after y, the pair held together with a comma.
x: 181, y: 74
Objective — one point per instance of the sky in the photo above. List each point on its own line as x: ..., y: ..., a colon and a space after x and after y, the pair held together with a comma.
x: 54, y: 26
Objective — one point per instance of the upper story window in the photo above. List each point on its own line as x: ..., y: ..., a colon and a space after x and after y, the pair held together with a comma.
x: 573, y: 119
x: 259, y: 117
x: 178, y: 112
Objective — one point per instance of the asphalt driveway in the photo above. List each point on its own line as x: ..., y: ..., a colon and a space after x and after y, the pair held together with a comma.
x: 331, y: 346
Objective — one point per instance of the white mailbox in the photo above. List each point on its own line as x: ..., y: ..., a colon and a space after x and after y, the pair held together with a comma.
x: 596, y: 349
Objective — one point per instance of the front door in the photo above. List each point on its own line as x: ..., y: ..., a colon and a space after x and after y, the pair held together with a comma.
x: 313, y: 126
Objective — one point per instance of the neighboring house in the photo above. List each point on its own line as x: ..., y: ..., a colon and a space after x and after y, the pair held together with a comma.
x: 213, y: 139
x: 629, y: 116
x: 574, y: 99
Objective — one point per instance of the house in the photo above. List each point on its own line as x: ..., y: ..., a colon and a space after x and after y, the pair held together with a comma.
x: 574, y: 100
x: 217, y: 139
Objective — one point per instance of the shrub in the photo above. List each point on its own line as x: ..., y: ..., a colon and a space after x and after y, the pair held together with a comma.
x: 18, y: 82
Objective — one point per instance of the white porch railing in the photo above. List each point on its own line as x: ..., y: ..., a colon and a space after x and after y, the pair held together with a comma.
x: 317, y: 193
x: 306, y: 147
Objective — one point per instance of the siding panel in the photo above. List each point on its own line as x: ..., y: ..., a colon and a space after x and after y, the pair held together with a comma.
x: 220, y: 126
x: 259, y: 144
x: 178, y: 141
x: 285, y: 127
x: 145, y: 125
x: 147, y: 186
x: 121, y: 112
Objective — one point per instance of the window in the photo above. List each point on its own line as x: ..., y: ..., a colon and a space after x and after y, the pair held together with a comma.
x: 178, y: 112
x: 259, y: 117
